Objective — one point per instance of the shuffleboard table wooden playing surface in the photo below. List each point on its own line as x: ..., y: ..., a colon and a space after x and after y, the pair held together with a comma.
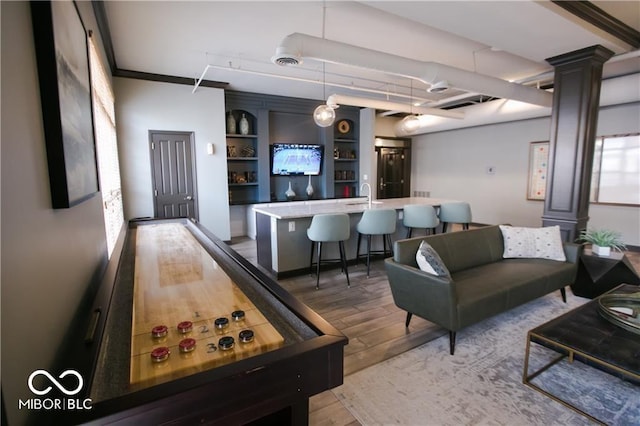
x: 192, y: 333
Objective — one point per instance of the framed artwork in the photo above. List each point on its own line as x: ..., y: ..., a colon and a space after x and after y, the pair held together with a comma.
x: 538, y: 169
x: 65, y: 92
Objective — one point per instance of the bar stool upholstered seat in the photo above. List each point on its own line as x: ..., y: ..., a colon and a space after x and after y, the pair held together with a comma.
x: 458, y: 212
x: 328, y: 228
x: 376, y: 222
x: 420, y: 216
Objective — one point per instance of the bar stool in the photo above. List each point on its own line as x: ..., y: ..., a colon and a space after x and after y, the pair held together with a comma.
x: 376, y: 222
x: 327, y: 228
x: 459, y: 212
x: 420, y: 216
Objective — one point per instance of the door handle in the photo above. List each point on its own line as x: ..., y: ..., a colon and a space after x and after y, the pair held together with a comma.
x: 188, y: 198
x: 381, y: 183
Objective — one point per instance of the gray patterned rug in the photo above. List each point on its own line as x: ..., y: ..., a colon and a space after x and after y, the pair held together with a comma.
x: 482, y: 383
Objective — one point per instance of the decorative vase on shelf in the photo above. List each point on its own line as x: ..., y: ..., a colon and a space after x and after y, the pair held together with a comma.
x: 290, y: 194
x: 244, y: 125
x: 231, y: 123
x: 310, y: 188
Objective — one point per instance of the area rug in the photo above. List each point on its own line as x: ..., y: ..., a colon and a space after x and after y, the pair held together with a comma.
x: 482, y: 383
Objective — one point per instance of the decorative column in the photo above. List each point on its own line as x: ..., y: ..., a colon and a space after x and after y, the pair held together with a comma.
x: 574, y: 118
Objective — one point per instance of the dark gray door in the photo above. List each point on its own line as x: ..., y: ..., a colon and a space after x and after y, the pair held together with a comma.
x: 173, y: 172
x: 391, y: 173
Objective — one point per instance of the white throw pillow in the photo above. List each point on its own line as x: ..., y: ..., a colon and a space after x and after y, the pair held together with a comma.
x: 429, y: 261
x: 541, y: 243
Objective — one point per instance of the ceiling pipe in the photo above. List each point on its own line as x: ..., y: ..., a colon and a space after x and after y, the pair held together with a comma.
x: 296, y: 47
x: 614, y: 91
x: 305, y: 80
x: 335, y: 100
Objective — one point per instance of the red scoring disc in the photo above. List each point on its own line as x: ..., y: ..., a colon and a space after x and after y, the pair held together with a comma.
x: 185, y: 327
x: 159, y: 331
x: 187, y: 345
x: 160, y: 354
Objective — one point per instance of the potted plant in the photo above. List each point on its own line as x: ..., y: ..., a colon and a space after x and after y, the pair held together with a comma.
x: 602, y: 241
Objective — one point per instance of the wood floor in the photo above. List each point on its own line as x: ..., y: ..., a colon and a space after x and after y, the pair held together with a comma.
x: 366, y: 314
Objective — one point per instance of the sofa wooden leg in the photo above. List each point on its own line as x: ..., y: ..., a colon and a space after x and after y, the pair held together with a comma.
x: 563, y: 292
x: 409, y: 315
x: 452, y: 342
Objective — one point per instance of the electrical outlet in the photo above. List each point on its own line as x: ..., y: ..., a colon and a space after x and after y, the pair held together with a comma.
x: 292, y: 226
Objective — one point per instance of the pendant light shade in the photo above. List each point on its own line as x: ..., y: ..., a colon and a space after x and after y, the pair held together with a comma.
x: 410, y: 123
x: 324, y: 115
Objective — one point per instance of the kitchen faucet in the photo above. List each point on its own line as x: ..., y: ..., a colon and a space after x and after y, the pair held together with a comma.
x: 369, y: 193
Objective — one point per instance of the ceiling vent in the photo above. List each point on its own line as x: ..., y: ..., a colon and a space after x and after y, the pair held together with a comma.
x: 439, y: 87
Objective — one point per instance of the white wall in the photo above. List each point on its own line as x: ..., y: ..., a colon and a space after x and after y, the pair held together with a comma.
x: 453, y: 164
x: 142, y: 106
x: 48, y: 256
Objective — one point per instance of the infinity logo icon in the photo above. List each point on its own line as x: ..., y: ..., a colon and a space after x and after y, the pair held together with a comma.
x: 55, y: 382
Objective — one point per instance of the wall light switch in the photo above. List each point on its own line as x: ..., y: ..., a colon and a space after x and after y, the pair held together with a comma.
x: 292, y: 226
x: 210, y: 149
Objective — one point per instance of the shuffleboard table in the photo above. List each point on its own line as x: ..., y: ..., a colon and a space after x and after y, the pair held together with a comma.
x: 192, y: 333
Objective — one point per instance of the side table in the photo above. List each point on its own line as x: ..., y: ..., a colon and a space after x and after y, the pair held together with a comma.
x: 598, y: 274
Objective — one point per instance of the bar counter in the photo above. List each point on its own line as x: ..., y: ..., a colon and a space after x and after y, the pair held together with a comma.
x: 281, y: 229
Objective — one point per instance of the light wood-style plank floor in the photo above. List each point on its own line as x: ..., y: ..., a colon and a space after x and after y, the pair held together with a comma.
x: 365, y: 313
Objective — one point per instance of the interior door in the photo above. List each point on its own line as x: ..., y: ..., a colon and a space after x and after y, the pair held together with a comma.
x: 391, y: 172
x: 173, y: 175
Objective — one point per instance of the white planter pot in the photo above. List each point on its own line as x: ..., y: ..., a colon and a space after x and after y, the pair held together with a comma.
x: 601, y: 251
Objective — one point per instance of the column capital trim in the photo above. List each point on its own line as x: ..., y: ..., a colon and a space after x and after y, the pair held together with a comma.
x: 597, y: 54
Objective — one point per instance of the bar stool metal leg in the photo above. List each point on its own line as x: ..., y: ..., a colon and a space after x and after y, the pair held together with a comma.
x: 343, y: 258
x: 368, y: 253
x: 313, y: 245
x: 318, y: 265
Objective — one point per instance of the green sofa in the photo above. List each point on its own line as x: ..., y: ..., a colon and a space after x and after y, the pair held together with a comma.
x: 482, y: 282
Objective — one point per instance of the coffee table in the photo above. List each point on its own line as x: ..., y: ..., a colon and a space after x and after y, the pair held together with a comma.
x: 583, y: 334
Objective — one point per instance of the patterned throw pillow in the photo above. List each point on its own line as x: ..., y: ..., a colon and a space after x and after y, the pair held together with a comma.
x: 429, y: 261
x: 541, y: 243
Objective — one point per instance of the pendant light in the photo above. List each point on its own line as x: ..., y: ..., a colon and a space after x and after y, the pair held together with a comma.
x: 411, y: 122
x: 324, y: 115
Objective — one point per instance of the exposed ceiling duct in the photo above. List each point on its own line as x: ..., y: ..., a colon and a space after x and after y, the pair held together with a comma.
x: 614, y: 91
x: 335, y: 100
x: 296, y: 47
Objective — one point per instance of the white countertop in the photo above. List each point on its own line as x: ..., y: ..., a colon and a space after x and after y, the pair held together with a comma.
x: 298, y: 209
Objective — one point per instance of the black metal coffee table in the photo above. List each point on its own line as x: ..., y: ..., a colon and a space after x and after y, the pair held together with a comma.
x: 583, y: 334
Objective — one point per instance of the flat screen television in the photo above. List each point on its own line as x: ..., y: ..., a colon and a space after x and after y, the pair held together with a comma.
x: 296, y: 159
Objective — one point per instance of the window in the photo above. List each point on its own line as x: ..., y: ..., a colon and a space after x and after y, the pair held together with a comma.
x: 616, y: 170
x: 106, y: 147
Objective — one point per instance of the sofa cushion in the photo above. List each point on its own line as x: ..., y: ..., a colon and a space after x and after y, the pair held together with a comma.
x: 490, y: 289
x: 429, y: 261
x: 541, y: 243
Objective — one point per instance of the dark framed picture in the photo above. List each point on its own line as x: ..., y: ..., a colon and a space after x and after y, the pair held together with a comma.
x: 65, y: 91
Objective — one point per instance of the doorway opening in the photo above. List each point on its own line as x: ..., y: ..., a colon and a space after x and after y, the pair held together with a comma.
x: 173, y: 175
x: 394, y: 167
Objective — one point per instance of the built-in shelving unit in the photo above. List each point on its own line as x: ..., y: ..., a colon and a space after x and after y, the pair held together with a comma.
x: 345, y: 158
x: 279, y: 119
x: 242, y: 158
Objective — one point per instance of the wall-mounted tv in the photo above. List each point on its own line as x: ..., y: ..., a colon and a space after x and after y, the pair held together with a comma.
x: 296, y: 159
